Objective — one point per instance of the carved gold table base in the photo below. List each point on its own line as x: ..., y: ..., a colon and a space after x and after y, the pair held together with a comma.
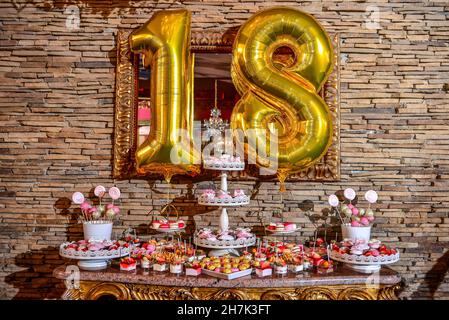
x: 92, y: 290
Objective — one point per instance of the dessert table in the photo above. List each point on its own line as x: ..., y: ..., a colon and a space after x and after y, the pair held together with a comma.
x: 341, y: 284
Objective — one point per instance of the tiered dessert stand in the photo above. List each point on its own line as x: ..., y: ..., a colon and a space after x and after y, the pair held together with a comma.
x: 222, y: 247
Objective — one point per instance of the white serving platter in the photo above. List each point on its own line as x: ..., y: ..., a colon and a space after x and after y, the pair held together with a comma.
x: 231, y: 166
x: 225, y: 244
x: 228, y: 276
x: 275, y: 232
x: 223, y: 203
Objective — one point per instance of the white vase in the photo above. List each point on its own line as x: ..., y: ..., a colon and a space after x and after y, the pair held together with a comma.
x: 356, y: 233
x: 97, y: 230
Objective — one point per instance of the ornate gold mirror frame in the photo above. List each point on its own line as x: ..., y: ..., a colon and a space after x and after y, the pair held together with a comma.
x: 125, y: 133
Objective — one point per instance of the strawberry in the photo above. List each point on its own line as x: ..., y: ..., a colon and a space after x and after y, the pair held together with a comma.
x: 317, y: 262
x: 319, y: 241
x: 315, y: 256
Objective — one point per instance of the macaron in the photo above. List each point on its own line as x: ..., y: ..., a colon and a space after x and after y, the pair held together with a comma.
x: 173, y: 225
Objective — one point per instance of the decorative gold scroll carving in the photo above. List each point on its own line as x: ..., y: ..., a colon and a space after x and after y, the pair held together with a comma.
x: 125, y: 108
x: 92, y: 290
x: 327, y: 169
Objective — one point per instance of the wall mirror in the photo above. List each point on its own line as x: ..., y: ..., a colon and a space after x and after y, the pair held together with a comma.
x: 212, y: 86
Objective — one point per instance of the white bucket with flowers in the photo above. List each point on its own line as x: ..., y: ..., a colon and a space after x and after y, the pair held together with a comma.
x: 98, y: 221
x: 355, y: 223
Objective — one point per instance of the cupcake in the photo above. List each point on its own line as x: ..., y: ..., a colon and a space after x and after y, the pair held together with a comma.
x: 288, y: 226
x: 174, y: 225
x: 156, y: 224
x: 374, y: 244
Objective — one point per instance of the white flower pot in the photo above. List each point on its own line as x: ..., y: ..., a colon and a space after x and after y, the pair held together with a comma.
x: 356, y: 233
x: 95, y: 230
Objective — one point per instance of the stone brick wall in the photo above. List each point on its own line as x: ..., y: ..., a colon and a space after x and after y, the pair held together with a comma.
x: 56, y: 126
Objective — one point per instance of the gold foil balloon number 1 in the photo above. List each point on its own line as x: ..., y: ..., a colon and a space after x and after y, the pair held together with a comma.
x: 283, y: 96
x: 164, y: 42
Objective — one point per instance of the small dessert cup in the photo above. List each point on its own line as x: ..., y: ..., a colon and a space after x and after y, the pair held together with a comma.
x: 156, y: 225
x: 281, y: 269
x: 175, y: 268
x: 296, y: 268
x: 128, y: 267
x: 264, y: 272
x: 193, y: 272
x: 145, y: 264
x: 160, y: 267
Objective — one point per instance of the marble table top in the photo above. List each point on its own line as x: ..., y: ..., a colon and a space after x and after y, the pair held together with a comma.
x: 340, y: 276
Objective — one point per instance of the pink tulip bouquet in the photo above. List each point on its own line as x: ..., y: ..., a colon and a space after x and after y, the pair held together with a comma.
x: 349, y: 213
x: 101, y: 212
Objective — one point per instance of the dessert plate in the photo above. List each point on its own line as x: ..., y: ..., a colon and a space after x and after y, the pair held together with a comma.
x: 168, y: 230
x: 227, y: 276
x: 274, y: 232
x: 225, y: 244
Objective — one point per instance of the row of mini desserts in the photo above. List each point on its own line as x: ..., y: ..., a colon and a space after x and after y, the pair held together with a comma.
x: 223, y: 196
x: 160, y: 260
x: 167, y: 224
x: 296, y: 260
x: 94, y: 245
x: 225, y: 264
x: 229, y: 235
x: 282, y: 226
x: 280, y: 256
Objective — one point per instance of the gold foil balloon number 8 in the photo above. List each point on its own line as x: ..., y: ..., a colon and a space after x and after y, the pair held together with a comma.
x: 281, y: 94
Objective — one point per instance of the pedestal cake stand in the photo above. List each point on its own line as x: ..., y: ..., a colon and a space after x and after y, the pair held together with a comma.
x: 222, y: 247
x: 364, y: 264
x: 93, y: 260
